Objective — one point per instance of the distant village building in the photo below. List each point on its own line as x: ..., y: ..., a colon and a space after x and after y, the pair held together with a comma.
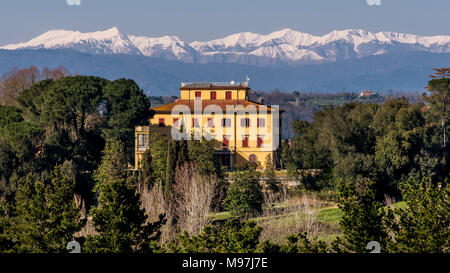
x: 248, y: 133
x: 366, y: 93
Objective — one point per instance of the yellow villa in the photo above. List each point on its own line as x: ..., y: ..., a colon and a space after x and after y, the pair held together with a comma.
x: 243, y: 130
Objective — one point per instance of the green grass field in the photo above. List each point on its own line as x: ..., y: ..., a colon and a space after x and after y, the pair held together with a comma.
x: 326, y: 218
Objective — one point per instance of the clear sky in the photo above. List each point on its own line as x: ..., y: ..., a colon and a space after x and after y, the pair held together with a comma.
x: 21, y: 20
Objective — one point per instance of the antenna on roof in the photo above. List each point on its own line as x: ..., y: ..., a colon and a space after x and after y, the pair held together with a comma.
x: 247, y: 79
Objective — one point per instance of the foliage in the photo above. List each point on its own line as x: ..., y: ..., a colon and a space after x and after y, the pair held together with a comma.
x: 233, y: 237
x: 423, y: 225
x: 120, y: 222
x: 300, y: 243
x: 244, y: 196
x: 125, y: 107
x: 114, y: 164
x: 158, y: 145
x: 202, y: 153
x: 146, y: 172
x: 45, y: 216
x: 172, y: 154
x: 361, y: 220
x: 440, y: 102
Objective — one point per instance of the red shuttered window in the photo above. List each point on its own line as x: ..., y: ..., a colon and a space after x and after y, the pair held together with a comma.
x: 259, y: 141
x: 245, y: 141
x: 225, y: 141
x: 261, y: 122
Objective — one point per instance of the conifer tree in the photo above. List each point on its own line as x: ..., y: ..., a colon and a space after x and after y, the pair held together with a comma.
x: 244, y: 196
x: 120, y: 221
x: 361, y: 215
x: 172, y: 153
x: 146, y: 176
x: 423, y: 225
x: 183, y: 155
x: 46, y: 216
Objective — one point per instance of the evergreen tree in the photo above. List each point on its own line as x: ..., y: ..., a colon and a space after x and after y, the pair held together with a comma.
x: 120, y: 221
x: 288, y: 160
x: 172, y: 154
x: 46, y: 216
x: 423, y: 225
x: 244, y: 196
x: 146, y: 176
x: 114, y: 163
x: 440, y: 102
x: 6, y: 241
x: 183, y: 154
x: 233, y: 237
x: 158, y: 149
x: 361, y: 215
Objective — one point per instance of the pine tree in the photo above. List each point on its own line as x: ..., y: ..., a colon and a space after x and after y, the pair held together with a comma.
x: 361, y: 215
x: 46, y: 215
x: 120, y: 221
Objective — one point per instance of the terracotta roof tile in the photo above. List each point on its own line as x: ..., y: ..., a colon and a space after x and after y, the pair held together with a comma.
x: 221, y: 103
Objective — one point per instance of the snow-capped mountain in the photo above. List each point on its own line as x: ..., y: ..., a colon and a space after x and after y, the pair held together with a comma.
x: 166, y: 47
x: 286, y: 46
x: 110, y: 41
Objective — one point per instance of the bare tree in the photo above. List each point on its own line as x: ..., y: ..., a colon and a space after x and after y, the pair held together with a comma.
x: 16, y: 80
x: 192, y: 197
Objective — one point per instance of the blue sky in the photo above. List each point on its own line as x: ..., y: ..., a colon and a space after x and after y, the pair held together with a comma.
x: 21, y: 20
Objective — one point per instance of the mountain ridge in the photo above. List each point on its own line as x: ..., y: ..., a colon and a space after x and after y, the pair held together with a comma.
x: 283, y: 47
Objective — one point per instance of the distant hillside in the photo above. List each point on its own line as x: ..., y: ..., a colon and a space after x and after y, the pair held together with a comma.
x: 401, y: 71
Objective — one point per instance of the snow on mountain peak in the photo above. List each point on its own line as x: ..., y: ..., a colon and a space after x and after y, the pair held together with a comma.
x: 285, y: 45
x: 110, y: 41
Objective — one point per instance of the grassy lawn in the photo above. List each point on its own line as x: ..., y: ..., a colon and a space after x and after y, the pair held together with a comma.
x: 329, y: 215
x: 219, y: 216
x: 281, y: 223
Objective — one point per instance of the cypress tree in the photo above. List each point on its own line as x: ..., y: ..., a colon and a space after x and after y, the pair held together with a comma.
x: 171, y: 165
x: 182, y: 152
x: 146, y: 177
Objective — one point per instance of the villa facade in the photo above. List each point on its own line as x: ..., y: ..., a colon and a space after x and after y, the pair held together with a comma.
x: 242, y: 130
